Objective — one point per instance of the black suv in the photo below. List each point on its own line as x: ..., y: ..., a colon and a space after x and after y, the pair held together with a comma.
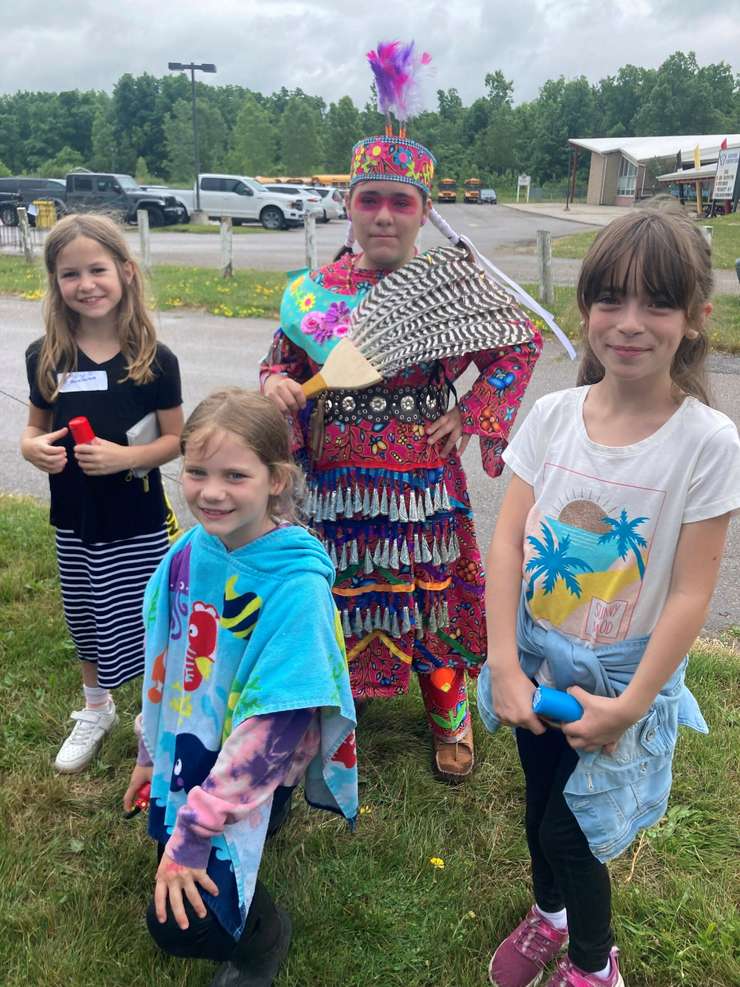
x: 19, y: 191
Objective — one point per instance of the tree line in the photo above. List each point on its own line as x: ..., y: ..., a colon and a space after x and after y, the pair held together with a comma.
x: 144, y: 127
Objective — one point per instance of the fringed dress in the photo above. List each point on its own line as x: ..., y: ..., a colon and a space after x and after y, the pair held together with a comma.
x: 395, y: 518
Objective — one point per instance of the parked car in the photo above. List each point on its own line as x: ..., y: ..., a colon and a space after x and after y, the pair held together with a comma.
x: 121, y: 196
x: 24, y: 191
x: 332, y: 203
x: 311, y: 198
x: 244, y: 199
x: 488, y: 196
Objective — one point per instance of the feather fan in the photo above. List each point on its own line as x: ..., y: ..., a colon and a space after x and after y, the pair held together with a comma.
x: 397, y: 68
x: 441, y: 304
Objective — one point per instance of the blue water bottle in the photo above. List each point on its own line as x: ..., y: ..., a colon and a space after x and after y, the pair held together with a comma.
x: 552, y: 704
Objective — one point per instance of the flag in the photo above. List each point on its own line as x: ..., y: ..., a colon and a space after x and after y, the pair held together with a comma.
x: 723, y: 145
x: 697, y: 157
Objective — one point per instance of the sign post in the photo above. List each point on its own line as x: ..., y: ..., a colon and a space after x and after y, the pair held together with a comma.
x: 523, y: 182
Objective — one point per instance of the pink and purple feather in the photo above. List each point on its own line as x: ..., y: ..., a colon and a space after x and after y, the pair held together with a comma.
x: 396, y: 68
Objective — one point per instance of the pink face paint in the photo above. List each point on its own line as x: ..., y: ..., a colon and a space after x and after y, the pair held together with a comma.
x: 401, y: 202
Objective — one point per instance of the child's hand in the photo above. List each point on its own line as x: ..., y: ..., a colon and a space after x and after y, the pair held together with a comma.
x: 512, y: 693
x: 139, y: 776
x: 172, y: 880
x: 43, y: 454
x: 603, y: 722
x: 286, y: 393
x: 448, y: 429
x: 101, y: 457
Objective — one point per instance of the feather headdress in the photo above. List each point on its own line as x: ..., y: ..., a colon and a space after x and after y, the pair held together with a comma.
x: 397, y: 69
x: 441, y: 304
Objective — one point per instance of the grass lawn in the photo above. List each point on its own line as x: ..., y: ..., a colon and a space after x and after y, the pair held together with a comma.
x: 257, y: 294
x: 725, y: 241
x: 209, y: 228
x: 368, y: 908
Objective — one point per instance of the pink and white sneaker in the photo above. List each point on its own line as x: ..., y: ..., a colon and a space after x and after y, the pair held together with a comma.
x: 522, y: 957
x: 568, y: 975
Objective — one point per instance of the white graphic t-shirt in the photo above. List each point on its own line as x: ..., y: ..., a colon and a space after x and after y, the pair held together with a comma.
x: 601, y: 537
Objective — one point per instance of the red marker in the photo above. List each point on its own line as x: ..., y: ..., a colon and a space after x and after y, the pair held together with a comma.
x: 141, y: 802
x: 81, y: 430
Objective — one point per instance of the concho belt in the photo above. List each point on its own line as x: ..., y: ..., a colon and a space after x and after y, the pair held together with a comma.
x: 381, y: 404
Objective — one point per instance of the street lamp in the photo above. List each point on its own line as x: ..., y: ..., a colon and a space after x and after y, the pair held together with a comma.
x: 192, y: 68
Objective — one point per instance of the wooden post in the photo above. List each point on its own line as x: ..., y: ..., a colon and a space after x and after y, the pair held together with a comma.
x: 25, y: 232
x: 707, y: 231
x: 142, y: 218
x: 698, y: 199
x: 309, y: 224
x: 227, y: 247
x: 544, y: 266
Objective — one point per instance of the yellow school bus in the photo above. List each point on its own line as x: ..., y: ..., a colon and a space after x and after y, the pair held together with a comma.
x: 447, y: 190
x: 472, y: 189
x: 335, y: 181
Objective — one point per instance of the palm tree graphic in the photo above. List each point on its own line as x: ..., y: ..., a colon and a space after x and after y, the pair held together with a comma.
x: 553, y: 562
x: 627, y: 538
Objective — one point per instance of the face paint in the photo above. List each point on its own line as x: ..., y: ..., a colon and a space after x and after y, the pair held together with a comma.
x: 400, y: 202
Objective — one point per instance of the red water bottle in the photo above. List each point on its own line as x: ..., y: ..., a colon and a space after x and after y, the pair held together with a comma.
x: 81, y: 430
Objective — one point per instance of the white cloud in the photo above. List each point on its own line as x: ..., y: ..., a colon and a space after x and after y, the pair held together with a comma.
x: 320, y: 46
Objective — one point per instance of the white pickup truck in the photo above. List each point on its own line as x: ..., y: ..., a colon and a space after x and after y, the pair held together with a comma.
x: 244, y: 199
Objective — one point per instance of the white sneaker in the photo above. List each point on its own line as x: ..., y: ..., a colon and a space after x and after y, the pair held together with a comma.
x: 83, y: 743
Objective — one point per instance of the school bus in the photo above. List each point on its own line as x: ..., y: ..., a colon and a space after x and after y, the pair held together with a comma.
x: 447, y: 190
x: 472, y: 190
x: 335, y: 181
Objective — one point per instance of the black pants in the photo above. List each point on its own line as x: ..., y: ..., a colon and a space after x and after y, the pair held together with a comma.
x: 206, y: 939
x: 565, y: 873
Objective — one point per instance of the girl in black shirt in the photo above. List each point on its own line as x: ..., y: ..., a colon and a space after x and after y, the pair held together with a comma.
x: 100, y: 359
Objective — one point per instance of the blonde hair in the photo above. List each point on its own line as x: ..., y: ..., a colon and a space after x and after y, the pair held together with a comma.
x: 659, y: 250
x: 256, y: 422
x: 136, y: 332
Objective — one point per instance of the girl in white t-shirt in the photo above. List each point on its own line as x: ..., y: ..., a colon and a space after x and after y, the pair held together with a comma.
x: 601, y: 568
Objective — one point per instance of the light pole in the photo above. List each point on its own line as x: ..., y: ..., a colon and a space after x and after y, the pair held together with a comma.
x: 192, y: 67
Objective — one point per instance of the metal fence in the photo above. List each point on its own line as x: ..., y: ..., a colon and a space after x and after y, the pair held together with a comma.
x: 10, y: 239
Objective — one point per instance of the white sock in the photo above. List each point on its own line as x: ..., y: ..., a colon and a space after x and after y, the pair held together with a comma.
x: 603, y: 974
x: 558, y: 920
x: 95, y: 697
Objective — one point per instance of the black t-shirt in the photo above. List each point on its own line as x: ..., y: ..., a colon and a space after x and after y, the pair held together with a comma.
x: 106, y: 508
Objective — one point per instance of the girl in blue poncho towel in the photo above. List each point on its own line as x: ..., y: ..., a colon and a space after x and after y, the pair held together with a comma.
x: 246, y: 691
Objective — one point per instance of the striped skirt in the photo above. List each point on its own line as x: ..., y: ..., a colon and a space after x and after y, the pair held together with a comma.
x: 103, y: 587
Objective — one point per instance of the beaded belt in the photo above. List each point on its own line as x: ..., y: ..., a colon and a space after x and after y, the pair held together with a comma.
x: 381, y: 404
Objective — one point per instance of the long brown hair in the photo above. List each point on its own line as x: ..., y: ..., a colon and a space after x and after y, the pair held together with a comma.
x: 660, y: 251
x: 136, y: 332
x: 256, y: 422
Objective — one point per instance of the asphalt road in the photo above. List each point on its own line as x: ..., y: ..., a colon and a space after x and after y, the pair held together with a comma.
x: 216, y: 352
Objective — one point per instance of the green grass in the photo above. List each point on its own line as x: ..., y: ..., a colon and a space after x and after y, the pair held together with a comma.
x: 257, y: 294
x: 368, y: 908
x: 209, y: 228
x: 725, y: 241
x: 249, y: 293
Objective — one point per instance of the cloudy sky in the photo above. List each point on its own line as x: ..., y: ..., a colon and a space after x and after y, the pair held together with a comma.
x: 320, y: 46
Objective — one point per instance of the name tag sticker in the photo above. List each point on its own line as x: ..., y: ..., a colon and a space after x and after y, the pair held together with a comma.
x: 85, y: 380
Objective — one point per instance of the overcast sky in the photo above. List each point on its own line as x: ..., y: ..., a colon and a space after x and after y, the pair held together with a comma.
x: 320, y: 46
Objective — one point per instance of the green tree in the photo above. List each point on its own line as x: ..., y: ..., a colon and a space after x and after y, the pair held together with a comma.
x: 300, y: 137
x: 104, y: 143
x: 4, y: 170
x: 178, y: 129
x: 343, y: 128
x: 141, y: 174
x: 253, y: 140
x: 687, y: 99
x: 63, y: 161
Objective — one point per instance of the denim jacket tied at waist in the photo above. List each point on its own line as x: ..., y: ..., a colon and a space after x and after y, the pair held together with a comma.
x: 614, y: 795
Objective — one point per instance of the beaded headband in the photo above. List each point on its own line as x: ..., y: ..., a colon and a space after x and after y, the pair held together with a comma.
x: 392, y: 159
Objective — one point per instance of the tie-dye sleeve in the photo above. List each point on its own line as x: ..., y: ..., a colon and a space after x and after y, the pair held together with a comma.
x: 261, y: 753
